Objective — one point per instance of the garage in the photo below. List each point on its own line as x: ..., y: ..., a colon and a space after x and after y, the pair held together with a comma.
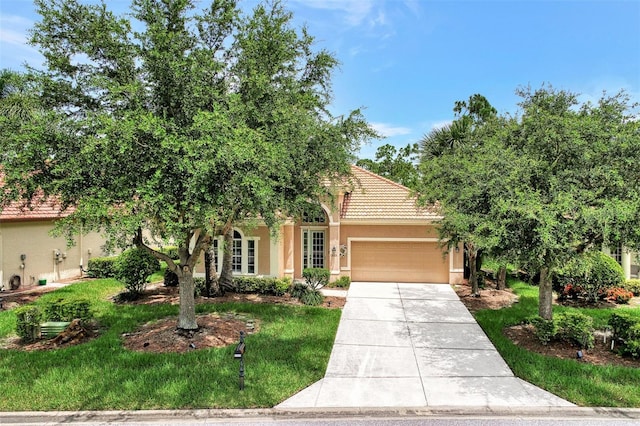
x: 398, y: 261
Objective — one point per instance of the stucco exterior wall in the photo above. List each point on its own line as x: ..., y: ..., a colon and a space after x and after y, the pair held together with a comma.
x: 32, y: 239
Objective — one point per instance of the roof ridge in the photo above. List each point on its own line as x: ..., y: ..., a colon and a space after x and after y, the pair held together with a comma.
x: 382, y: 178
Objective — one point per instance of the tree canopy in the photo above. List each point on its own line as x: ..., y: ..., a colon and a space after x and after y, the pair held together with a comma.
x: 178, y: 120
x: 398, y: 165
x: 558, y: 179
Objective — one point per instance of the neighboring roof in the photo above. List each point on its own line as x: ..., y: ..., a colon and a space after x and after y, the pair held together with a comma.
x: 46, y: 210
x: 374, y: 198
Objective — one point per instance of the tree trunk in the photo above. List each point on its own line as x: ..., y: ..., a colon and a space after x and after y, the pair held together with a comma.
x: 226, y: 275
x: 211, y: 275
x: 187, y: 317
x: 473, y: 272
x: 545, y: 295
x: 501, y: 281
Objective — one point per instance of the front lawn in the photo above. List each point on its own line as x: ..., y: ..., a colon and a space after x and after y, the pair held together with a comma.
x: 290, y: 352
x: 578, y: 382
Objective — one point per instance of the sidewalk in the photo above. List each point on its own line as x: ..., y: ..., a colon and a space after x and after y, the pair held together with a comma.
x: 415, y: 345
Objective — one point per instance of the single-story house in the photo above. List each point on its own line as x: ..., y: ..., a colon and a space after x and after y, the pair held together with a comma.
x: 375, y: 232
x: 29, y: 254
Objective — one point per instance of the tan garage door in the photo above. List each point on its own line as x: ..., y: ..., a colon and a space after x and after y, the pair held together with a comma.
x: 398, y: 261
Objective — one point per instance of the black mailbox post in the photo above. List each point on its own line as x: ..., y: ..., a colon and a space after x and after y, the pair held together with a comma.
x: 239, y: 354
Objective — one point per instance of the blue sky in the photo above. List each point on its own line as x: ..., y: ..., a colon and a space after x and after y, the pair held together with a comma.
x: 406, y: 62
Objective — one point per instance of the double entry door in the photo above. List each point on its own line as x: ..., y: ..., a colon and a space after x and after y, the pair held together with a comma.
x: 313, y: 248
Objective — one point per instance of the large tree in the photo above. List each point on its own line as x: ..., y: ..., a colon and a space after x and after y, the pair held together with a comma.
x: 179, y: 122
x: 452, y: 175
x: 569, y: 181
x: 398, y: 165
x: 558, y: 179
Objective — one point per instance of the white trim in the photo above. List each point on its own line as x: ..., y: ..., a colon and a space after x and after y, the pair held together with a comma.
x: 335, y: 272
x: 288, y: 271
x: 325, y: 255
x: 244, y: 259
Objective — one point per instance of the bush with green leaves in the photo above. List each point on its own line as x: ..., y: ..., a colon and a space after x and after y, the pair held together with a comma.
x: 67, y: 309
x: 312, y: 297
x: 633, y: 286
x: 316, y: 278
x: 545, y: 330
x: 631, y: 346
x: 102, y: 267
x: 626, y: 332
x: 133, y: 268
x: 298, y: 289
x: 262, y: 285
x: 342, y: 282
x: 171, y: 251
x: 170, y: 278
x: 575, y: 327
x: 28, y: 319
x: 199, y: 286
x: 591, y: 274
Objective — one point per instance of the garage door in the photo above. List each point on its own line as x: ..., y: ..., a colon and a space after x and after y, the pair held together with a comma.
x: 398, y: 261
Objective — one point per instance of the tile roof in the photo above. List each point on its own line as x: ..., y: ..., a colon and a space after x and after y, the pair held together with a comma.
x: 374, y: 198
x: 46, y: 210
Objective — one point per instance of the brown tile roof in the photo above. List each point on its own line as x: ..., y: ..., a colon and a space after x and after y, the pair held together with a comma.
x: 374, y: 198
x: 46, y: 210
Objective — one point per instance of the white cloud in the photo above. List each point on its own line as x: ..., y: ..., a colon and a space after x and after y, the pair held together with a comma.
x: 388, y: 130
x: 356, y: 10
x: 440, y: 124
x: 15, y: 38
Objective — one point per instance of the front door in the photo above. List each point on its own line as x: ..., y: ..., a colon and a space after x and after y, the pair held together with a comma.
x: 313, y: 248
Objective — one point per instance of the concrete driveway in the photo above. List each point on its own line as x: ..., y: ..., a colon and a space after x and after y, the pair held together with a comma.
x: 415, y: 345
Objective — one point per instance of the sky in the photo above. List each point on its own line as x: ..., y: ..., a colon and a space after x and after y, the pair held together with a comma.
x: 405, y: 62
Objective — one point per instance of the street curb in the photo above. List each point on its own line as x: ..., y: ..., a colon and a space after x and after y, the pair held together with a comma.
x: 149, y: 416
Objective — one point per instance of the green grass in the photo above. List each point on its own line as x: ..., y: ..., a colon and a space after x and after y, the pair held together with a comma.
x: 289, y: 353
x: 578, y: 382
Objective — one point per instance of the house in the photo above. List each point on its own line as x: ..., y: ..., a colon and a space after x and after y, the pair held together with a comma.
x: 627, y: 259
x: 375, y: 232
x: 29, y: 255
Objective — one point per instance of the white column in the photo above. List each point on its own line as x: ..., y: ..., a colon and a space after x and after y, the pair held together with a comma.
x: 626, y: 263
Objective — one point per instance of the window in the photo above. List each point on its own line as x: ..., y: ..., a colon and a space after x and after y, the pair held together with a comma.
x: 236, y: 256
x: 315, y: 217
x: 617, y: 254
x: 244, y: 253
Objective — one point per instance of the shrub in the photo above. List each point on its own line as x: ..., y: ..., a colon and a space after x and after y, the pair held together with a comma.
x: 619, y: 295
x: 316, y: 278
x: 342, y: 282
x: 575, y: 327
x: 633, y: 286
x: 67, y: 310
x: 312, y: 297
x: 626, y: 332
x: 102, y: 267
x: 134, y: 267
x: 298, y: 289
x: 546, y: 330
x: 621, y: 323
x: 170, y: 278
x: 262, y: 285
x: 631, y: 346
x: 199, y: 287
x: 28, y: 320
x: 171, y: 251
x: 591, y: 274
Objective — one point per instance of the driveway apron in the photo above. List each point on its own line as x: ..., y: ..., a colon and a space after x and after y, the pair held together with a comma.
x: 414, y: 345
